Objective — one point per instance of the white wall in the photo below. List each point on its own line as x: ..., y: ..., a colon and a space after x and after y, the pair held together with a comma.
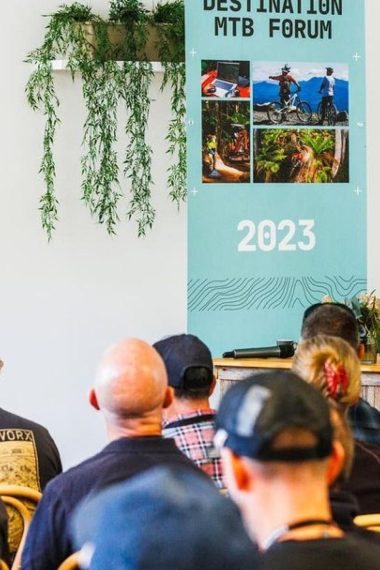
x: 62, y: 303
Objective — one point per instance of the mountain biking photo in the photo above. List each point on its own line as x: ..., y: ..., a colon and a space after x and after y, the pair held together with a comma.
x: 313, y: 156
x: 323, y: 99
x: 226, y: 154
x: 278, y: 111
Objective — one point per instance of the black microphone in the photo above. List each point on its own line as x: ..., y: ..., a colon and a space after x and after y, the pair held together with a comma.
x: 282, y: 351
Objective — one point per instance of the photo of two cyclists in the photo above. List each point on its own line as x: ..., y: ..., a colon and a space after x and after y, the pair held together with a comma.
x: 305, y: 94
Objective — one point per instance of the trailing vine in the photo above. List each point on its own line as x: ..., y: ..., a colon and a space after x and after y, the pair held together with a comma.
x: 100, y: 170
x: 171, y: 47
x: 134, y: 91
x: 85, y: 41
x: 61, y: 37
x: 138, y: 157
x: 41, y: 95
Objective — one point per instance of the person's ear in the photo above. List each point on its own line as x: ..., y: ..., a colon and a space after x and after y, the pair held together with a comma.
x: 93, y: 399
x: 336, y: 462
x: 213, y: 384
x: 169, y: 396
x: 236, y: 474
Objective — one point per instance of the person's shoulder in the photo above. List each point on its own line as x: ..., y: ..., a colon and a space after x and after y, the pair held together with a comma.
x: 8, y: 420
x: 357, y: 549
x: 366, y: 452
x: 351, y: 552
x: 73, y: 481
x: 364, y: 408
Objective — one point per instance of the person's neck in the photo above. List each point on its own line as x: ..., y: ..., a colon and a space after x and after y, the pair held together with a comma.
x: 282, y: 507
x: 182, y: 406
x: 133, y: 427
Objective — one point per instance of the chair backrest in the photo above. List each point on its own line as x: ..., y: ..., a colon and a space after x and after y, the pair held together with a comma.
x: 13, y: 497
x: 370, y: 522
x: 71, y: 563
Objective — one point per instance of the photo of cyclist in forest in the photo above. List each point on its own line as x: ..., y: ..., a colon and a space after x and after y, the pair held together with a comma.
x: 226, y: 134
x: 327, y: 90
x: 211, y: 150
x: 285, y: 80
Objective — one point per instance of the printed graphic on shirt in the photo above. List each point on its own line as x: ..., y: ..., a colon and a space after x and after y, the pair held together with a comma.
x: 18, y: 466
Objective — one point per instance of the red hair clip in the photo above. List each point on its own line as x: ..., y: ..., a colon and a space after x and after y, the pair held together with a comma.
x: 336, y: 378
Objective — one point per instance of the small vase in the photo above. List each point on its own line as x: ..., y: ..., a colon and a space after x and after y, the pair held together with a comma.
x: 368, y: 350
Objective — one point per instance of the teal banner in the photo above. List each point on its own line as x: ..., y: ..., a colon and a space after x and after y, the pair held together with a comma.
x: 276, y: 164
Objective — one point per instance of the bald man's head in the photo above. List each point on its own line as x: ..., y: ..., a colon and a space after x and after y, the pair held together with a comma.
x: 131, y: 381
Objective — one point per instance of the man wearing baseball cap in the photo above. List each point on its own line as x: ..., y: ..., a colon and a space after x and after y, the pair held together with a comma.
x: 279, y: 456
x: 189, y: 419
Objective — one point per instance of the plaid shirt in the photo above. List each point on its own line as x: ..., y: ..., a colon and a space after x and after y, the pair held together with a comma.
x: 365, y: 422
x: 194, y: 436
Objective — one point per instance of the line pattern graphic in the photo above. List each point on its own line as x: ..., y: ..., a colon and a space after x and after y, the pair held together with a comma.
x: 270, y: 293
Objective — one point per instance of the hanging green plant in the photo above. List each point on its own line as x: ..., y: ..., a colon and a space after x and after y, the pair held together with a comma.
x: 100, y: 170
x: 63, y: 36
x: 170, y: 20
x: 134, y: 92
x: 67, y: 37
x: 90, y: 45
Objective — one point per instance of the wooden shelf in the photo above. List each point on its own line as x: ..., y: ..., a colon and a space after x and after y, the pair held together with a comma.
x: 61, y: 65
x: 280, y: 363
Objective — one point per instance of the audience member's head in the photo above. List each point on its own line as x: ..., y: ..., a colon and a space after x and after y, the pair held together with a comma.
x: 332, y: 366
x: 165, y: 519
x: 278, y: 451
x: 131, y: 388
x: 189, y: 366
x: 333, y: 319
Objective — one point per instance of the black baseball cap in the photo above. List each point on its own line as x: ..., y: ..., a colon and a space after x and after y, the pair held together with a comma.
x: 254, y: 411
x: 181, y: 352
x: 159, y: 520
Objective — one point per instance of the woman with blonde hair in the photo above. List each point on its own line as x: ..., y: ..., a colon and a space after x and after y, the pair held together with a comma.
x: 331, y: 365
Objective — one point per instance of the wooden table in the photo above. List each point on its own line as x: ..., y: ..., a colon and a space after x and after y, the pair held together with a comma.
x: 230, y: 370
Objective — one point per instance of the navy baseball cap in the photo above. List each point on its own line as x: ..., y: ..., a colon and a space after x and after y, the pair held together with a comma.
x: 160, y: 520
x: 255, y: 411
x: 181, y: 352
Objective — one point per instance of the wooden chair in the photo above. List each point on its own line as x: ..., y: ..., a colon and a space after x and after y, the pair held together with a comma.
x: 71, y: 563
x: 12, y: 496
x: 370, y: 522
x: 3, y: 565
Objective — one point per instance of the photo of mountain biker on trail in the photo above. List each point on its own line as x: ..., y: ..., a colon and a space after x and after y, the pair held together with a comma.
x: 226, y: 134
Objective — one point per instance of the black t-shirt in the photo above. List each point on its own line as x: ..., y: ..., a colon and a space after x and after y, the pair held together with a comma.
x: 28, y: 457
x: 347, y: 553
x: 344, y: 509
x: 28, y: 454
x: 364, y: 480
x: 49, y: 541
